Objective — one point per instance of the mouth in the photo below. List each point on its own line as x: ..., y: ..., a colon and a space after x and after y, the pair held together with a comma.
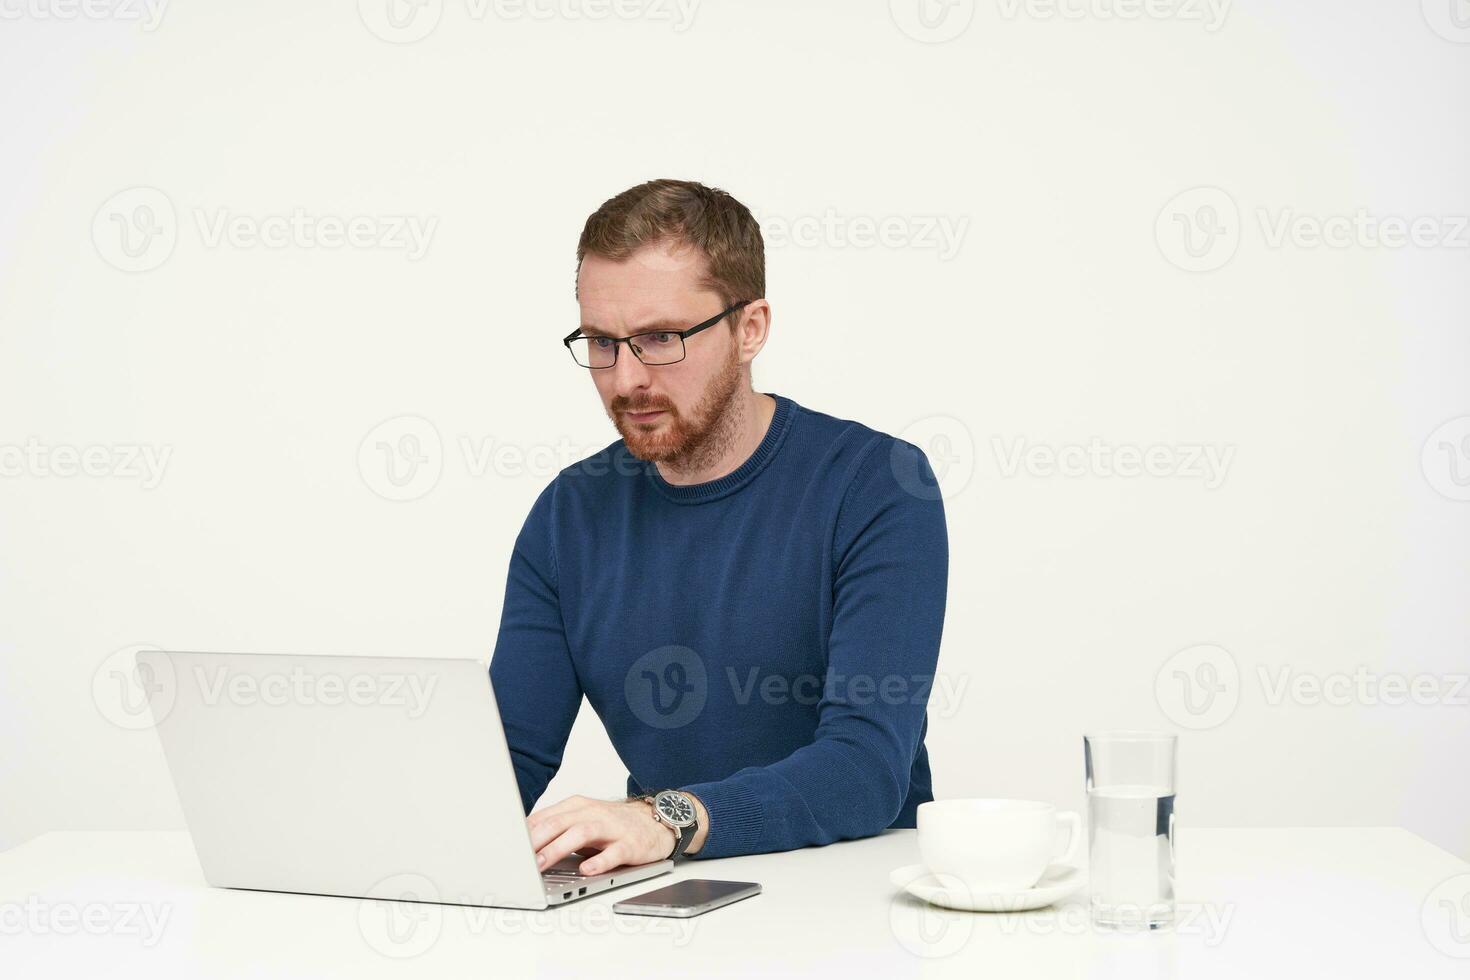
x: 644, y: 417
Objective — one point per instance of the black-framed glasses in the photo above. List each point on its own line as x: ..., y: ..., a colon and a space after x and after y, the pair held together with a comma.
x: 653, y: 347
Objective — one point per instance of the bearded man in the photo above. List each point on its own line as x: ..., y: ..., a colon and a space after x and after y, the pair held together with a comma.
x: 750, y: 593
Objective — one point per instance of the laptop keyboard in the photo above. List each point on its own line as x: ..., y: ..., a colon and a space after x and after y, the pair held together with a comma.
x: 565, y: 870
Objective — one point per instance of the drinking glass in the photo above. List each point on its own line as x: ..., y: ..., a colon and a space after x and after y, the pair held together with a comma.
x: 1130, y: 828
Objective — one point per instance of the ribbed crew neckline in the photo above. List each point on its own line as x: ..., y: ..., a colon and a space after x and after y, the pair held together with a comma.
x: 699, y: 493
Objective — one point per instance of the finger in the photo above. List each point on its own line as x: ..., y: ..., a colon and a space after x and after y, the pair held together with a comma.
x: 562, y: 806
x: 553, y: 827
x: 613, y: 856
x: 565, y: 844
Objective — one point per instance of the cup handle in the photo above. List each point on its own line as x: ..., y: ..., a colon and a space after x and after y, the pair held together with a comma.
x: 1074, y: 838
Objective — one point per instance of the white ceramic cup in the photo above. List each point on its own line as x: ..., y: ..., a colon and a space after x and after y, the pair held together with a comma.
x: 995, y: 845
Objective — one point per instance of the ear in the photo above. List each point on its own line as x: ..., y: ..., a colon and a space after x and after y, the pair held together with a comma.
x: 752, y: 328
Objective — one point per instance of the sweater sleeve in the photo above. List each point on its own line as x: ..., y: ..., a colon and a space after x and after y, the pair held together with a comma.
x: 536, y: 686
x: 891, y: 557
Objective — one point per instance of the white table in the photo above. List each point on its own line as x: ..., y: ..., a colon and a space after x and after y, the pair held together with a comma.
x: 1296, y: 903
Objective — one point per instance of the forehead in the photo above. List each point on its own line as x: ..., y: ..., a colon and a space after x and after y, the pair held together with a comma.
x: 656, y: 281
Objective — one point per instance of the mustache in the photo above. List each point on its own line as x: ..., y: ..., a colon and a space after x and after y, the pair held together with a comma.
x: 648, y: 405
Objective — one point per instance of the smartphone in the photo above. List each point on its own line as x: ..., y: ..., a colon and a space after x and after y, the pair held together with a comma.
x: 687, y: 898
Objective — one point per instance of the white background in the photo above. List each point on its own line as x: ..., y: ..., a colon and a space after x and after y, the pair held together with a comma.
x: 1332, y: 543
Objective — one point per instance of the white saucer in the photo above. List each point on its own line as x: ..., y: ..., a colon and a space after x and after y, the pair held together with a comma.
x: 949, y: 892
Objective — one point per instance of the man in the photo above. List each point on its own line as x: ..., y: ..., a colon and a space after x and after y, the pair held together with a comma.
x: 749, y: 593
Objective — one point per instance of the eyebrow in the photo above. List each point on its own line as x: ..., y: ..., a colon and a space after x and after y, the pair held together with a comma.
x: 665, y: 324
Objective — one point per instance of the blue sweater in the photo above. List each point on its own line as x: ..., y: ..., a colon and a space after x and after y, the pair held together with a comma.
x: 766, y: 640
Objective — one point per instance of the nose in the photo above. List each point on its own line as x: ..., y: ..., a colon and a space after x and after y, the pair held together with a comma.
x: 629, y: 374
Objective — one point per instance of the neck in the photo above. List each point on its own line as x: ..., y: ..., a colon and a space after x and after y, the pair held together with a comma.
x: 735, y: 437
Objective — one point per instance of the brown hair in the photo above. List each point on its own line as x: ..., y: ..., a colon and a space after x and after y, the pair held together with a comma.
x: 688, y: 212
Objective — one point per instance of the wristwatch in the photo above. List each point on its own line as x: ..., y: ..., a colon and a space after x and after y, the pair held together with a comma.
x: 676, y: 810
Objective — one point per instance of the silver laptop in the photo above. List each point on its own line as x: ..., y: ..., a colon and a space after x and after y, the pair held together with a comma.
x: 368, y: 777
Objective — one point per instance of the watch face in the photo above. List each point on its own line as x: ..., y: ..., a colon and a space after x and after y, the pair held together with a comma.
x: 676, y: 808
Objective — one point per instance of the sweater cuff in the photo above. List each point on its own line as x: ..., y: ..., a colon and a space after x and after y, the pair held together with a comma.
x: 736, y: 818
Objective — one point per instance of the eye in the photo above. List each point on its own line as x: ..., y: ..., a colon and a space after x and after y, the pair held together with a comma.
x: 600, y: 343
x: 660, y: 337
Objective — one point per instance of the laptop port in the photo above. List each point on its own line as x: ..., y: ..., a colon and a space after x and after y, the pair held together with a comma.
x: 582, y: 891
x: 565, y: 896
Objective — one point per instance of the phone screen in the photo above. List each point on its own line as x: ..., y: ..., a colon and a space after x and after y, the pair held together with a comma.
x: 693, y: 892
